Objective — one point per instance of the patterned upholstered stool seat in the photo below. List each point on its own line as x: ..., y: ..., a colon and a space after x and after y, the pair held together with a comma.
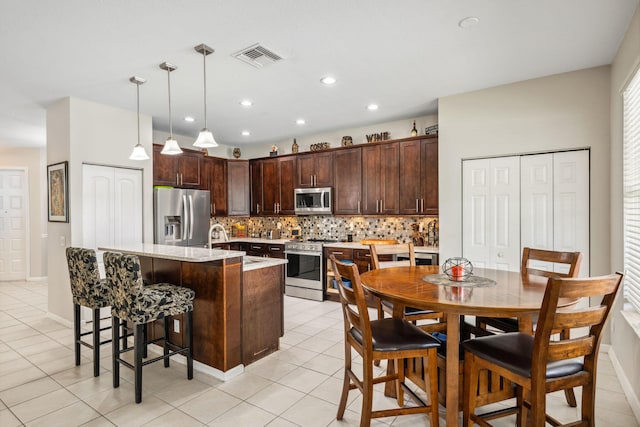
x: 88, y: 290
x: 139, y: 305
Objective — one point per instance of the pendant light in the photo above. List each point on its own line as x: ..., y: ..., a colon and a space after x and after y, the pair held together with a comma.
x: 205, y: 138
x: 171, y: 145
x: 138, y: 153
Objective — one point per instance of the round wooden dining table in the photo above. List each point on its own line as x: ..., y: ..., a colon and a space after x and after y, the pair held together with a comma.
x: 489, y: 293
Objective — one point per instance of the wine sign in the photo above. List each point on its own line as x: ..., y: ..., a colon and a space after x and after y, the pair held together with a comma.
x: 375, y: 137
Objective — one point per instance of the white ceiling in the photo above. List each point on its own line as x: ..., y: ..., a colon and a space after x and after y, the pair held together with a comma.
x: 402, y: 55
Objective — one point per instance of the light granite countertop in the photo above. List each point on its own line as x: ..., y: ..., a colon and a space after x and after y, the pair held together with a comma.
x: 357, y: 245
x: 351, y: 245
x: 177, y: 253
x: 256, y: 262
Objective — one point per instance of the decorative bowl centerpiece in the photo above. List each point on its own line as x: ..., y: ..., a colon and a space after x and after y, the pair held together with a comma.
x: 457, y: 269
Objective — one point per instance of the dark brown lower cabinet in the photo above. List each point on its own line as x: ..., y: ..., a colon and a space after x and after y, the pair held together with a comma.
x: 262, y: 312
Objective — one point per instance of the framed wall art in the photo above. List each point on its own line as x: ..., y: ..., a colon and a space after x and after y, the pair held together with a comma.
x: 58, y: 192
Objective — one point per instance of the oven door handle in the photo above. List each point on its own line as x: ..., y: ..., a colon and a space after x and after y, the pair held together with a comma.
x: 317, y: 254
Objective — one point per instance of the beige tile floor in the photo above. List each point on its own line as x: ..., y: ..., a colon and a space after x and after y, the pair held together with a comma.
x: 296, y: 386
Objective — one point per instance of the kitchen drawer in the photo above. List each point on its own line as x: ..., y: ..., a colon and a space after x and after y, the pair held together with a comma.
x: 256, y: 249
x: 238, y: 246
x: 224, y: 246
x: 275, y: 251
x: 339, y: 253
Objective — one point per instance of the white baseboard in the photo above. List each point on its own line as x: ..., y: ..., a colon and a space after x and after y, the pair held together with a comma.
x: 633, y: 400
x: 201, y: 367
x: 65, y: 322
x: 37, y: 279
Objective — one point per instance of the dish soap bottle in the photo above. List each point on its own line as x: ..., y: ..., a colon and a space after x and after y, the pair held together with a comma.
x: 414, y: 131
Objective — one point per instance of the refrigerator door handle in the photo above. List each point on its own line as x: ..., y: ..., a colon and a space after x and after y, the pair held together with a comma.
x: 185, y: 225
x: 191, y: 219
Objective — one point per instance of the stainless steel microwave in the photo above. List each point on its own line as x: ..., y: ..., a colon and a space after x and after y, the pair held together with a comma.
x: 313, y: 201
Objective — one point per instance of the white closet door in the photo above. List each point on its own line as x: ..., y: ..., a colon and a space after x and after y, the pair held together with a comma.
x: 505, y: 172
x: 97, y: 206
x: 491, y: 212
x: 111, y: 211
x: 536, y: 199
x: 571, y: 205
x: 13, y: 225
x: 127, y: 216
x: 476, y: 227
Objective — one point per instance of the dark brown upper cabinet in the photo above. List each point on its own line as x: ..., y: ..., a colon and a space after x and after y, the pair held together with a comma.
x: 419, y: 176
x: 347, y: 181
x: 180, y: 170
x: 380, y: 179
x: 272, y: 185
x: 315, y: 170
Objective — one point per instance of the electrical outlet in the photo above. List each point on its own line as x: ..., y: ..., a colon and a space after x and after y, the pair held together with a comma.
x: 63, y: 241
x: 176, y: 326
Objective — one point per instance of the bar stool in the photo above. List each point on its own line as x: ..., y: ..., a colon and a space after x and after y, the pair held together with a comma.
x: 138, y: 305
x: 88, y: 290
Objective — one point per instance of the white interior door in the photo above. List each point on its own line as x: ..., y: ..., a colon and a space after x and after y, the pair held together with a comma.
x: 111, y: 210
x: 127, y: 212
x: 491, y: 212
x: 536, y: 201
x: 476, y: 226
x: 571, y: 205
x: 13, y: 224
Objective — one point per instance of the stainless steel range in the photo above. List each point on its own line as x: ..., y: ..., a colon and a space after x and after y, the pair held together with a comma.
x: 304, y: 270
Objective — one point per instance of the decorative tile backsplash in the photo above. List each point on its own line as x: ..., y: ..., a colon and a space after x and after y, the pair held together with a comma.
x: 423, y: 231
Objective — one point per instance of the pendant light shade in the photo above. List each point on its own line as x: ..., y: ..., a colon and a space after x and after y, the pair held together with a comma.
x: 171, y: 145
x: 205, y: 138
x: 138, y: 153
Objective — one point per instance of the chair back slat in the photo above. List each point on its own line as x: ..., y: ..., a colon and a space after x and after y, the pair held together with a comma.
x: 573, y: 319
x: 571, y: 259
x: 387, y: 264
x: 570, y: 349
x: 405, y: 249
x: 352, y: 299
x: 552, y: 319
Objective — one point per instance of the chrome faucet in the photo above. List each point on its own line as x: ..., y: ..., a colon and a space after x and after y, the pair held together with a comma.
x: 224, y: 233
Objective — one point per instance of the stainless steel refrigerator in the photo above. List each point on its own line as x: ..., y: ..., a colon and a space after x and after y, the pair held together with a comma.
x: 181, y: 217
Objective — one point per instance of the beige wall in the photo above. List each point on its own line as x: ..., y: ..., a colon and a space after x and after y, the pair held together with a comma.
x: 562, y: 111
x: 80, y: 132
x: 32, y: 160
x: 624, y: 340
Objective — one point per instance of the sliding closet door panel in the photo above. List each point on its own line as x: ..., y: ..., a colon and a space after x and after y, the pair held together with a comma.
x: 491, y: 212
x: 476, y: 204
x: 128, y: 206
x: 505, y: 174
x: 571, y: 210
x: 536, y: 192
x: 97, y: 206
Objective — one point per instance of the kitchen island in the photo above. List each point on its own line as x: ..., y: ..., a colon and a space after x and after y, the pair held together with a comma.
x: 238, y: 298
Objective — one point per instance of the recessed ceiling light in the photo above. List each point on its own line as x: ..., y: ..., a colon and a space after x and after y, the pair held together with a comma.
x: 468, y: 22
x: 246, y: 133
x: 372, y: 107
x: 246, y: 103
x: 300, y: 121
x: 189, y: 119
x: 328, y: 80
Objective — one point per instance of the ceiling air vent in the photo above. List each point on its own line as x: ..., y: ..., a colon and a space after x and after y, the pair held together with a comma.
x: 257, y: 56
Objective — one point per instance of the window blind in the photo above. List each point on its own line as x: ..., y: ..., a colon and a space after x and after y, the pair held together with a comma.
x: 631, y: 183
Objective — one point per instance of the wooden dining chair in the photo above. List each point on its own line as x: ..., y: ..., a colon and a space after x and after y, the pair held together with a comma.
x: 538, y: 365
x: 378, y: 255
x: 569, y: 261
x: 391, y: 339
